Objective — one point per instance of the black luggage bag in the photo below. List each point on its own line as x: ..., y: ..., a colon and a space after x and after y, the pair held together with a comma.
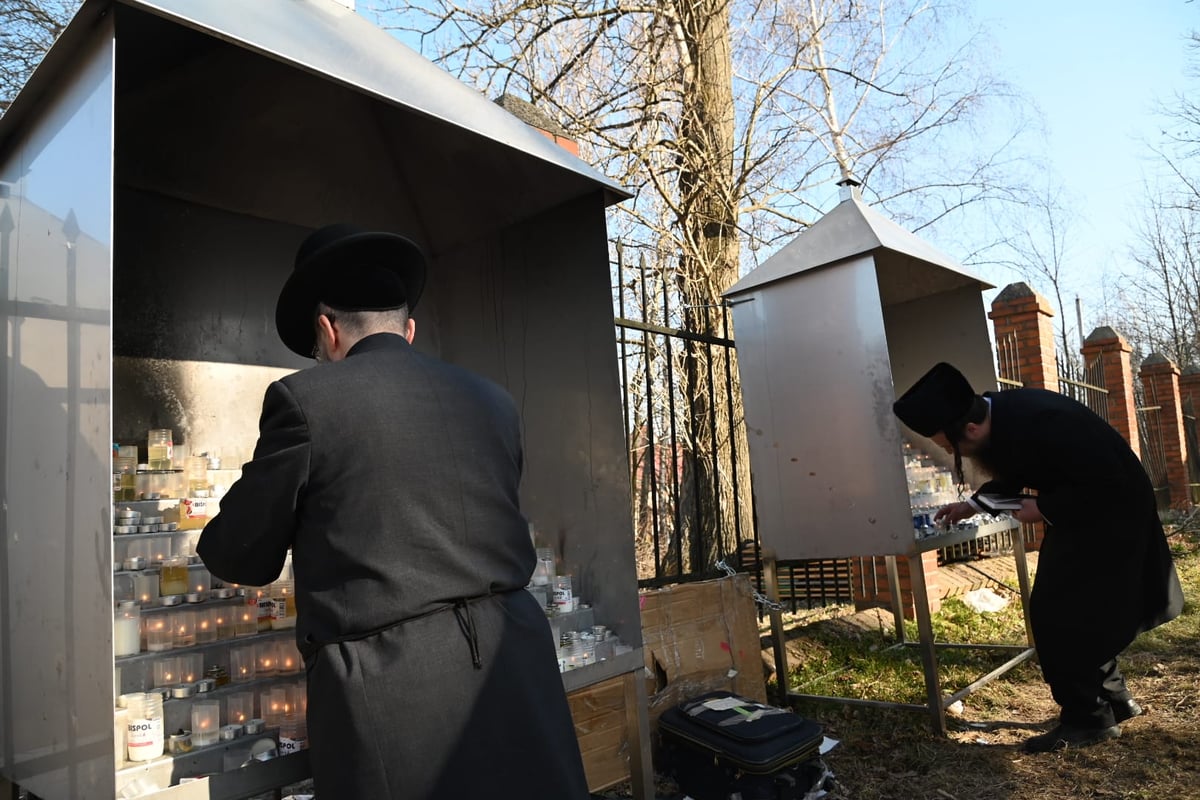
x: 719, y: 746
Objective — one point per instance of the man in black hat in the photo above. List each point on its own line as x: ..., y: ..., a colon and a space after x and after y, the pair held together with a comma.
x: 393, y: 479
x: 1104, y: 570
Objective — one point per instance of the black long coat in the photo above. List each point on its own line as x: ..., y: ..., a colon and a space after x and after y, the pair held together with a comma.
x: 1104, y: 571
x: 393, y: 477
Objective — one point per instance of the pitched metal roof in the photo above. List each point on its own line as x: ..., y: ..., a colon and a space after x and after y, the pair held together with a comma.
x: 327, y: 39
x: 851, y: 229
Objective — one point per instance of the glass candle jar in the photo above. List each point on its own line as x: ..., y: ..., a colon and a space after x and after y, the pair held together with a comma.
x: 206, y: 625
x: 160, y: 448
x: 223, y: 617
x: 288, y: 658
x: 159, y: 635
x: 242, y: 664
x: 124, y: 479
x: 173, y: 577
x: 191, y: 667
x: 127, y: 629
x: 206, y: 722
x: 183, y: 623
x: 239, y: 708
x: 283, y: 598
x: 245, y: 622
x: 166, y: 671
x: 265, y: 660
x: 145, y: 588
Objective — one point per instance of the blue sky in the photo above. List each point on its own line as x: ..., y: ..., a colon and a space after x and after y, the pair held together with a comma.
x: 1096, y: 70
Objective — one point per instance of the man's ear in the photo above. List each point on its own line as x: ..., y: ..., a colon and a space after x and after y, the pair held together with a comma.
x: 410, y: 329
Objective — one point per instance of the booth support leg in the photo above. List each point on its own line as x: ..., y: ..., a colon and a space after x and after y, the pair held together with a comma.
x: 893, y: 577
x: 637, y: 722
x: 933, y: 689
x: 1022, y: 565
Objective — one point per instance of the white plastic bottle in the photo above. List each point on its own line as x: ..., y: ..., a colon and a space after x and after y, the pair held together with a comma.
x: 145, y: 726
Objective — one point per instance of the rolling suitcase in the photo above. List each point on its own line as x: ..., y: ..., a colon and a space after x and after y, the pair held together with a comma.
x: 720, y: 746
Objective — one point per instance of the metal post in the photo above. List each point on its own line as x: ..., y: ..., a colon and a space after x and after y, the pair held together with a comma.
x: 893, y: 578
x: 771, y: 581
x: 1023, y: 580
x: 933, y: 689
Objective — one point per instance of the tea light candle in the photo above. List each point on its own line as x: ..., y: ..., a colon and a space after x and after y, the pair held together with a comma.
x: 223, y: 592
x: 289, y: 659
x: 230, y: 732
x: 246, y: 621
x: 159, y: 635
x: 206, y: 626
x: 206, y: 717
x: 191, y: 667
x: 166, y: 671
x: 183, y: 690
x: 223, y: 619
x: 264, y: 654
x: 239, y: 708
x: 145, y: 588
x: 254, y: 726
x: 184, y: 625
x: 201, y: 581
x: 241, y: 664
x: 193, y: 597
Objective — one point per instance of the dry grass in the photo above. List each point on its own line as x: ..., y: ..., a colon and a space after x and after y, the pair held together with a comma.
x: 894, y: 754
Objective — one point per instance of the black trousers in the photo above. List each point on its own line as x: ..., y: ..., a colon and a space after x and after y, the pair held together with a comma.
x: 1085, y: 693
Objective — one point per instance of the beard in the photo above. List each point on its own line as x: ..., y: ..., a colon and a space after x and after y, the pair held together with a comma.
x: 982, y: 456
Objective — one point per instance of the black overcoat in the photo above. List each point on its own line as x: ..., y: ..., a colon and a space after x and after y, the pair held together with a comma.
x: 393, y: 478
x: 1104, y: 572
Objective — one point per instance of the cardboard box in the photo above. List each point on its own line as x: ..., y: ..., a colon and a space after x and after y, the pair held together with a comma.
x: 700, y: 637
x: 601, y: 724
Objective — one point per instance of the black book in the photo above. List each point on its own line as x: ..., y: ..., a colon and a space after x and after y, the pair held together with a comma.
x: 999, y: 503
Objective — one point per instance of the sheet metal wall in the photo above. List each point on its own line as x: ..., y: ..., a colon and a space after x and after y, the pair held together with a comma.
x: 823, y: 355
x: 824, y: 445
x: 56, y: 737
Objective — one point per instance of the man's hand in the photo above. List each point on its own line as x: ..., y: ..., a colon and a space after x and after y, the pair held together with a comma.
x: 1028, y: 513
x: 948, y: 515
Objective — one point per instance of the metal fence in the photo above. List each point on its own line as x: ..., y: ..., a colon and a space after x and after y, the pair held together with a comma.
x: 654, y: 348
x: 1154, y: 458
x: 1192, y: 437
x: 1083, y: 382
x: 1008, y: 362
x: 669, y: 455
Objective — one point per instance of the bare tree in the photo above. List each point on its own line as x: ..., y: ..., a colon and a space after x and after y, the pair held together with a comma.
x: 1161, y: 295
x: 1038, y: 251
x: 27, y: 29
x: 730, y: 120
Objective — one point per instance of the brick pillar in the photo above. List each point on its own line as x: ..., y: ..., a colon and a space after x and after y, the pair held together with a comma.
x: 1021, y: 312
x: 871, y: 583
x: 1160, y: 379
x: 1114, y: 353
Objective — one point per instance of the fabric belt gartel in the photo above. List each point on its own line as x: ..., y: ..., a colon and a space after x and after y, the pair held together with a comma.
x: 462, y: 613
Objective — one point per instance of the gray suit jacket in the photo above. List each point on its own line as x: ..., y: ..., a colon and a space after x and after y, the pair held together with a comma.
x: 393, y: 477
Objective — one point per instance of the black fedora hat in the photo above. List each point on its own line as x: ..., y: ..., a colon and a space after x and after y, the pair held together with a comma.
x: 937, y: 402
x: 350, y: 269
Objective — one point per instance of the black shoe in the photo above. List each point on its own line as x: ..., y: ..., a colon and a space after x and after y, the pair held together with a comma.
x: 1125, y: 709
x: 1066, y: 737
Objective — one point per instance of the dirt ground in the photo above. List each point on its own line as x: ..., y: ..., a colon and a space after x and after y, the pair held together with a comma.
x: 894, y: 754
